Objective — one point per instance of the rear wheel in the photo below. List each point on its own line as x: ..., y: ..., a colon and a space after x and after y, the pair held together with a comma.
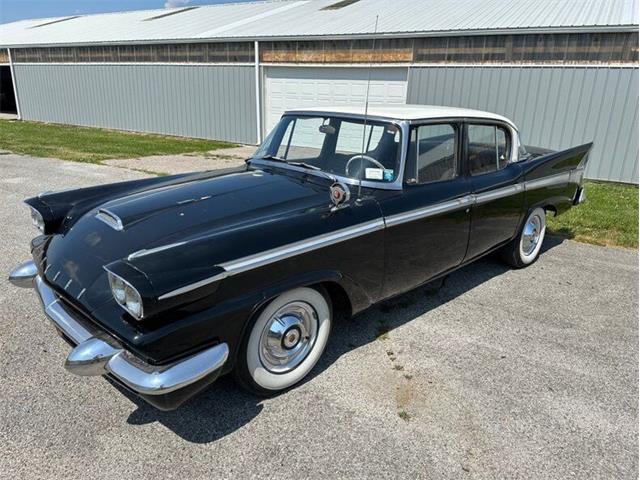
x: 525, y: 248
x: 285, y: 341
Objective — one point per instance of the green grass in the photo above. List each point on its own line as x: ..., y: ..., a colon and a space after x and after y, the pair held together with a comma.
x: 609, y: 216
x: 92, y: 145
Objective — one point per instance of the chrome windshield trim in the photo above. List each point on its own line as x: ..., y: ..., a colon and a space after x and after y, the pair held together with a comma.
x: 353, y: 116
x: 110, y: 218
x: 558, y: 179
x: 250, y: 262
x: 403, y: 125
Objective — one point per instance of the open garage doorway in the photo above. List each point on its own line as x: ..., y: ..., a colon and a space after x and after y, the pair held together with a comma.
x: 7, y: 97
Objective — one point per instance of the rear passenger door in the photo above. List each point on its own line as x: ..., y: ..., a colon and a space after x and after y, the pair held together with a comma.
x: 428, y: 221
x: 496, y: 182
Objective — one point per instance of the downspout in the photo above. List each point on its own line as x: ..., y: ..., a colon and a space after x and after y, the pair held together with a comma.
x: 13, y: 81
x: 258, y: 93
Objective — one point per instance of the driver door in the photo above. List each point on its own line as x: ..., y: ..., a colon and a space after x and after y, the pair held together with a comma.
x: 428, y: 221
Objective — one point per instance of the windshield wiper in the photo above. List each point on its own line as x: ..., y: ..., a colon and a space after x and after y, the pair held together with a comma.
x: 304, y: 165
x: 300, y: 164
x: 274, y: 158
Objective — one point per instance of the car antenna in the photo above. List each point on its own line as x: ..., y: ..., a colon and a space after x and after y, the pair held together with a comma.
x: 366, y: 105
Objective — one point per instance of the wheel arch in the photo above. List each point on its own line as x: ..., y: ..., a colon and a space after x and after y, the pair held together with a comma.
x: 344, y: 295
x: 550, y: 208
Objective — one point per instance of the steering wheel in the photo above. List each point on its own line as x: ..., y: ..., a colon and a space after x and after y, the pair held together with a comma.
x: 364, y: 157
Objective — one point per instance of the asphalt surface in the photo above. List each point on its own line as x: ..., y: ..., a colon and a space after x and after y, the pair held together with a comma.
x: 499, y: 374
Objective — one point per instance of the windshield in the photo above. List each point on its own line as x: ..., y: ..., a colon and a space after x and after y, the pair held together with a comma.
x: 335, y: 145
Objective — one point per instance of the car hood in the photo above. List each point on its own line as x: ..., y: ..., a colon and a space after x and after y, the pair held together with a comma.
x: 168, y: 215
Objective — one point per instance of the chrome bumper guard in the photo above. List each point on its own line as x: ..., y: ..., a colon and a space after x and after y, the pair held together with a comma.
x: 97, y: 354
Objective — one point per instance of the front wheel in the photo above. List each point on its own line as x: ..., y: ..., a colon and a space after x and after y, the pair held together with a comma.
x: 285, y: 341
x: 525, y: 248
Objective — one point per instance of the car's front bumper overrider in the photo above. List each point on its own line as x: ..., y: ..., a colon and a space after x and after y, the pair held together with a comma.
x: 96, y: 353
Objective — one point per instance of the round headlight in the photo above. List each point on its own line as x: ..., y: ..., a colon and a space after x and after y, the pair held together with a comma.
x: 133, y: 302
x: 118, y: 289
x: 36, y: 219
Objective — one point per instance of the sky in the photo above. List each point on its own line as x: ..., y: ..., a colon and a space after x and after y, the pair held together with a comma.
x: 12, y: 10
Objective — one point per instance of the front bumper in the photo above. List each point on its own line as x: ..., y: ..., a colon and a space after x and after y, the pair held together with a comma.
x: 96, y: 353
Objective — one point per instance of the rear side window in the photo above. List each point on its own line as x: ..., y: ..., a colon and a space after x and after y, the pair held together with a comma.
x: 488, y: 148
x: 432, y: 155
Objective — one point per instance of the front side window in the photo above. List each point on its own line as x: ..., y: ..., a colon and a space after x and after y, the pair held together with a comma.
x: 488, y: 148
x: 432, y: 154
x: 336, y: 145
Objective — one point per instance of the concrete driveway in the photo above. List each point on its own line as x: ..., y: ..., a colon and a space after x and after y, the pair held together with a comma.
x: 499, y: 374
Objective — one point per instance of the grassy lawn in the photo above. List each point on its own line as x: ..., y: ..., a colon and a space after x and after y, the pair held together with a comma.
x: 609, y: 216
x: 92, y: 145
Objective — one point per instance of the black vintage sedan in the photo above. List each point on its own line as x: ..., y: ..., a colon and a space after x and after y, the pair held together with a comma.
x: 164, y: 284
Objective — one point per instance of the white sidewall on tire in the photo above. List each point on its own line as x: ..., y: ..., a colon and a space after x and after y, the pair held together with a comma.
x: 529, y: 258
x: 279, y: 381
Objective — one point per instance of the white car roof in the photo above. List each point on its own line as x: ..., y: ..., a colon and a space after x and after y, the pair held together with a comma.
x: 406, y: 112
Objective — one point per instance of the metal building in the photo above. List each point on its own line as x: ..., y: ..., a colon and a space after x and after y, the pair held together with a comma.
x: 565, y: 71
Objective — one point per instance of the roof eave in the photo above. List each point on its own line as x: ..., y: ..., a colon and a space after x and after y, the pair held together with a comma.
x: 361, y: 36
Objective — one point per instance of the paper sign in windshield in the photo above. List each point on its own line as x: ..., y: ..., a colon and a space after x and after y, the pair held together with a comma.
x: 373, y: 173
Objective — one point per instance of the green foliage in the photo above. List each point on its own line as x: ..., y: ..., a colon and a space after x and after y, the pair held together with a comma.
x: 609, y: 216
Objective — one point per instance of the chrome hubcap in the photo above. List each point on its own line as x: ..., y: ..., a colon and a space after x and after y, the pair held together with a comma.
x: 531, y: 235
x: 288, y: 337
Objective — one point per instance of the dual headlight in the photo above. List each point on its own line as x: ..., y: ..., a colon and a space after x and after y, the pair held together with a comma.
x: 123, y: 292
x: 126, y: 296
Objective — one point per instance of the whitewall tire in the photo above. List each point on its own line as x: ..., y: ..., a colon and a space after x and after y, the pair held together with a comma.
x: 285, y: 341
x: 525, y: 248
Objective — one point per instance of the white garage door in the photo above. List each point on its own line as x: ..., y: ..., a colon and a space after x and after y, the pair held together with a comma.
x: 299, y: 87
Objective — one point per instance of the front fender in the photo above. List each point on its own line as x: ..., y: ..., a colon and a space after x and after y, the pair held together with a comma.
x: 357, y: 296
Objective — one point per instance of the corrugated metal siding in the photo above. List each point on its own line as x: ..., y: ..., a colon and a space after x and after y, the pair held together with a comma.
x: 204, y: 101
x: 302, y: 19
x: 553, y: 107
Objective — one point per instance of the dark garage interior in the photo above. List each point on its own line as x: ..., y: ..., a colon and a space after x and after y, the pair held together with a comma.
x: 7, y: 98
